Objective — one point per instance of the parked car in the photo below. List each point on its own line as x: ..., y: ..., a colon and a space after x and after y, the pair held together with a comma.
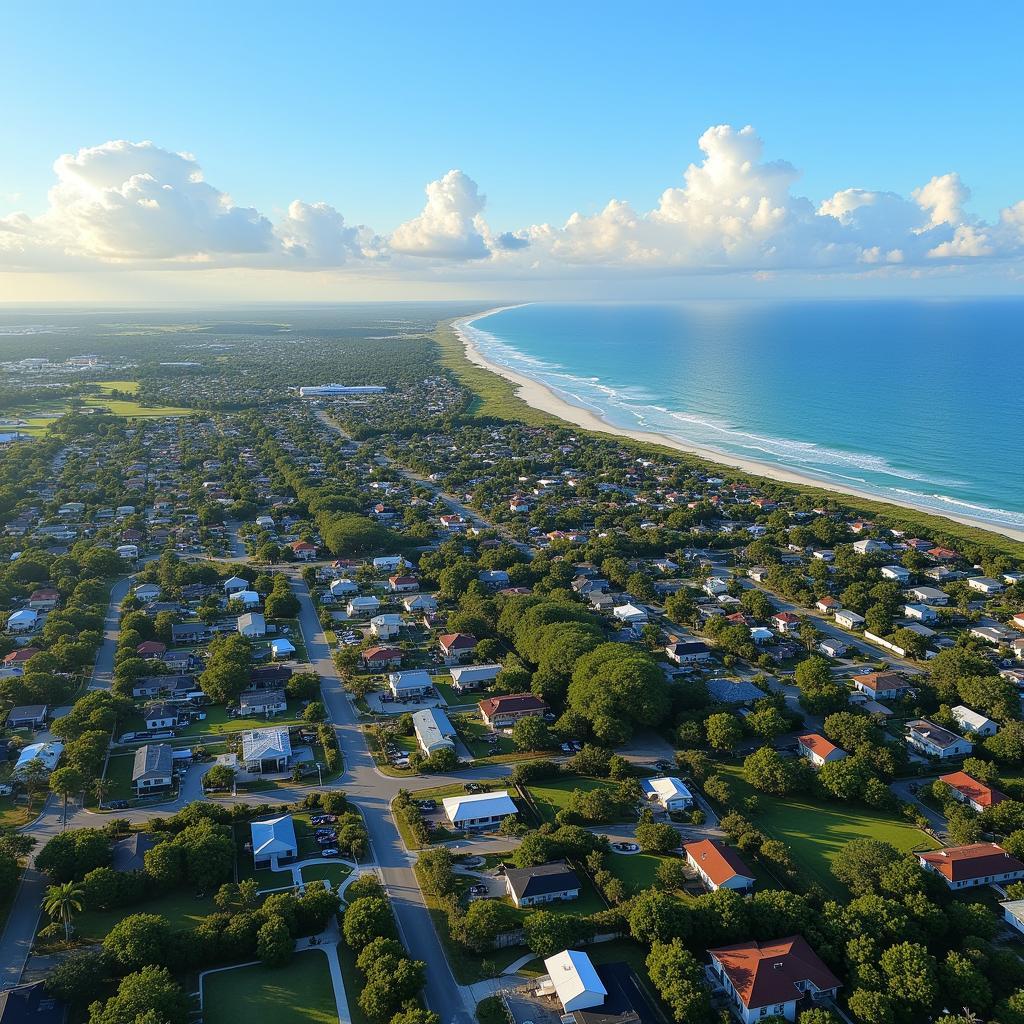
x: 664, y: 765
x: 427, y: 805
x: 323, y: 819
x: 478, y: 890
x: 330, y: 851
x: 117, y: 805
x: 626, y: 847
x: 326, y: 840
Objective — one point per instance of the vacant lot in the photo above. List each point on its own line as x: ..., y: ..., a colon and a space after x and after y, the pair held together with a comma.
x: 300, y: 993
x: 553, y: 795
x: 816, y: 833
x: 181, y: 907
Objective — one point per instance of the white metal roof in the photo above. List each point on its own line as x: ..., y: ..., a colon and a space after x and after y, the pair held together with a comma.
x: 274, y: 836
x: 575, y: 980
x: 479, y: 805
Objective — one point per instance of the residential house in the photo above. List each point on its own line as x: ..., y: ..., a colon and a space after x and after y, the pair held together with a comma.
x: 190, y: 633
x: 410, y: 684
x: 235, y: 585
x: 456, y: 647
x: 344, y: 588
x: 14, y: 663
x: 503, y: 712
x: 22, y: 621
x: 362, y: 607
x: 881, y: 685
x: 44, y: 600
x: 252, y: 625
x: 832, y: 648
x: 247, y: 598
x: 552, y: 882
x: 472, y: 677
x: 919, y: 612
x: 479, y: 810
x: 970, y: 791
x: 985, y: 585
x: 895, y: 572
x: 266, y: 751
x: 576, y: 984
x: 384, y: 627
x: 161, y: 716
x: 282, y: 647
x: 403, y: 584
x: 262, y: 702
x: 929, y: 595
x: 420, y: 603
x: 433, y: 731
x: 971, y: 722
x: 828, y: 605
x: 818, y: 750
x: 27, y: 716
x: 389, y: 563
x: 273, y: 841
x: 786, y: 622
x: 378, y: 658
x: 303, y: 550
x: 152, y: 769
x: 849, y: 619
x: 630, y: 613
x: 719, y: 866
x: 493, y: 579
x: 667, y: 792
x: 933, y: 740
x: 688, y: 652
x: 869, y: 546
x: 764, y: 979
x: 151, y: 649
x: 148, y: 592
x: 963, y: 867
x: 47, y: 754
x: 129, y: 552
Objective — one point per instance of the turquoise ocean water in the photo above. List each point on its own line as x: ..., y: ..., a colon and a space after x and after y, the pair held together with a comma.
x: 910, y: 400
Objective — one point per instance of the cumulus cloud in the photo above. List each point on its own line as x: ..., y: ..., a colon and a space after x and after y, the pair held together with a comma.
x: 451, y: 224
x: 134, y: 204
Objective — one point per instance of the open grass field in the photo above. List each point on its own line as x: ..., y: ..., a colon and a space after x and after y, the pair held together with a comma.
x: 553, y: 795
x: 181, y: 907
x: 333, y: 873
x: 816, y: 833
x: 300, y: 993
x: 40, y: 416
x: 636, y: 870
x: 453, y: 698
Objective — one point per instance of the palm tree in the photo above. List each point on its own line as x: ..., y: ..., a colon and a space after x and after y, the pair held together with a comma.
x: 63, y: 901
x: 101, y: 787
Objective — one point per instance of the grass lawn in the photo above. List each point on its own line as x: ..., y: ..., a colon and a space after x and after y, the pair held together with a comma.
x: 453, y: 698
x: 553, y: 795
x: 217, y: 721
x: 181, y: 907
x: 635, y: 870
x: 13, y: 813
x: 817, y: 833
x: 333, y: 873
x: 300, y: 993
x: 472, y: 730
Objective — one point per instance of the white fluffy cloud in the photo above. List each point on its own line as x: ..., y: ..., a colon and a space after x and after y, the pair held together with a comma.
x: 451, y: 225
x: 126, y: 204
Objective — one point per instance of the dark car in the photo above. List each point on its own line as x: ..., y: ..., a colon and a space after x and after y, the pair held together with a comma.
x: 117, y: 805
x: 478, y: 890
x: 427, y: 805
x: 323, y: 819
x: 326, y: 840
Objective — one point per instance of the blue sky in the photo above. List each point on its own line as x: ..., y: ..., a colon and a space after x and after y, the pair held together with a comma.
x: 548, y: 111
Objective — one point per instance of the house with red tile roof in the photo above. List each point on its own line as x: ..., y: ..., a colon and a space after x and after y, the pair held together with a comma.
x: 764, y: 979
x: 382, y: 657
x: 819, y: 750
x: 456, y: 646
x: 786, y: 622
x: 719, y: 866
x: 303, y: 550
x: 151, y: 649
x: 962, y: 867
x: 972, y: 792
x: 502, y: 712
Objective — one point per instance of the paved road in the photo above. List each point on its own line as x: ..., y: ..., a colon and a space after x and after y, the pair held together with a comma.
x: 901, y: 787
x: 103, y: 669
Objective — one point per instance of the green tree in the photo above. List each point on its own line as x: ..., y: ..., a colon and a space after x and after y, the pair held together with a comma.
x: 148, y: 996
x: 139, y: 940
x: 274, y: 942
x: 366, y: 919
x: 678, y: 978
x: 532, y: 733
x: 61, y: 902
x: 724, y: 730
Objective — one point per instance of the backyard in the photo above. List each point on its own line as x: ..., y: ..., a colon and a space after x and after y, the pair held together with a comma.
x: 549, y: 796
x: 816, y: 833
x: 299, y: 993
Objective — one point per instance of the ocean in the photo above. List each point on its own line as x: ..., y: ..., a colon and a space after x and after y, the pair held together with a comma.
x: 915, y: 401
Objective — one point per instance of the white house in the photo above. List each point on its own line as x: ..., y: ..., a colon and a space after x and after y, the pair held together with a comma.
x: 719, y: 866
x: 985, y: 585
x: 266, y: 750
x: 932, y: 739
x: 235, y: 585
x: 929, y: 595
x: 152, y: 769
x: 48, y: 754
x: 343, y: 588
x: 129, y: 552
x: 282, y: 648
x: 414, y: 683
x: 433, y: 730
x: 832, y: 648
x: 668, y: 792
x: 630, y: 613
x: 895, y: 572
x: 849, y: 619
x: 252, y: 625
x: 247, y: 598
x: 389, y: 563
x: 384, y: 627
x: 764, y: 979
x: 479, y: 810
x: 1013, y: 914
x: 574, y: 981
x: 273, y: 841
x: 971, y: 721
x: 919, y: 612
x: 869, y: 545
x: 964, y: 867
x: 819, y: 750
x: 147, y: 592
x: 362, y: 607
x: 472, y: 677
x: 22, y: 621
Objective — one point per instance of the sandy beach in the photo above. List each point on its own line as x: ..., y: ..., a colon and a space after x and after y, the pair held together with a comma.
x: 543, y: 398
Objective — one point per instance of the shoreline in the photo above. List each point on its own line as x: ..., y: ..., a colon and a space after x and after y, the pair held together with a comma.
x: 539, y: 396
